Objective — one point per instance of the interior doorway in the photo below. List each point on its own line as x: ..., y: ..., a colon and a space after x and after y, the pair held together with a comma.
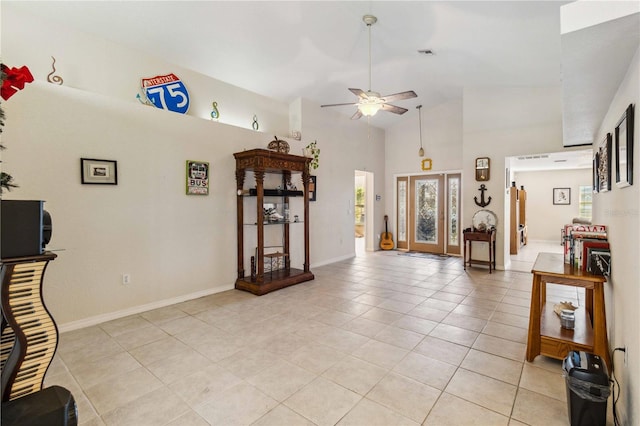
x: 363, y: 211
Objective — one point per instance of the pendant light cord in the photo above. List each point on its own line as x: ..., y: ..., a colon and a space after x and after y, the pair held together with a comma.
x: 369, y: 26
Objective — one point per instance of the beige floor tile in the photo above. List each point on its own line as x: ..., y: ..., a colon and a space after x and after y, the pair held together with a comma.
x: 550, y: 364
x: 125, y: 325
x: 493, y: 366
x: 158, y: 350
x: 505, y: 331
x: 405, y: 396
x: 99, y: 345
x: 316, y: 357
x: 500, y: 347
x: 364, y: 326
x: 355, y: 374
x: 382, y: 315
x: 242, y: 404
x: 380, y: 353
x: 473, y: 311
x: 342, y: 340
x: 190, y: 418
x: 281, y: 416
x: 453, y: 411
x: 543, y: 381
x: 480, y: 303
x: 454, y: 334
x: 482, y: 390
x: 281, y: 380
x: 205, y: 385
x: 152, y: 409
x: 139, y: 337
x: 369, y: 413
x: 442, y: 350
x: 323, y: 402
x: 426, y: 370
x: 449, y: 297
x: 181, y: 324
x: 93, y: 372
x: 334, y: 318
x: 413, y: 323
x: 429, y: 313
x: 161, y: 315
x: 464, y: 321
x: 248, y: 361
x: 510, y: 319
x: 283, y: 344
x: 121, y: 389
x: 441, y: 305
x: 399, y: 337
x: 538, y: 410
x: 179, y: 365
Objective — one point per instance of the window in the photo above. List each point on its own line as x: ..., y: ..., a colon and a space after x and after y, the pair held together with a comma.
x: 584, y: 202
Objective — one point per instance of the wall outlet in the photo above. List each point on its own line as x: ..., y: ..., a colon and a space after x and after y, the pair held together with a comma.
x: 126, y: 279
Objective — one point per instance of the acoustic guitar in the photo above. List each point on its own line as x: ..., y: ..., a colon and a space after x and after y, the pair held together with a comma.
x: 386, y: 240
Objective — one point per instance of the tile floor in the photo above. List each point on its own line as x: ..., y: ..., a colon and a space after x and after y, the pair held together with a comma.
x: 380, y: 339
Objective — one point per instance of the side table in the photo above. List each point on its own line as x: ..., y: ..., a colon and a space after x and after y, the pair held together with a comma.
x: 487, y: 237
x: 546, y: 336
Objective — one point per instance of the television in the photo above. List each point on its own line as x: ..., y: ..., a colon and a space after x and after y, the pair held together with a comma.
x: 25, y: 228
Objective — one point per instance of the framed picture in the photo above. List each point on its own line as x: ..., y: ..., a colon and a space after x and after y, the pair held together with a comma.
x: 604, y: 164
x: 624, y: 149
x: 596, y: 180
x: 562, y: 196
x: 313, y: 188
x: 197, y: 177
x: 426, y: 164
x: 100, y: 172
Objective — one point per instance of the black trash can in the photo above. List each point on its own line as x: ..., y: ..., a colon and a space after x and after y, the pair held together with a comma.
x: 587, y: 388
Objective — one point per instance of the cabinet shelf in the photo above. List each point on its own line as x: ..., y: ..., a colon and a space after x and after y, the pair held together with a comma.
x: 261, y: 280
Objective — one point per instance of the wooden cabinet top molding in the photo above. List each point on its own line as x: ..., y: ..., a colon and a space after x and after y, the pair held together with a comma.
x: 270, y: 161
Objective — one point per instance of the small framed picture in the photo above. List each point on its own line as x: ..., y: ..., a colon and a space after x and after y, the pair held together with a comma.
x: 604, y: 164
x: 313, y: 189
x: 562, y: 196
x: 624, y: 149
x: 101, y: 172
x: 197, y: 177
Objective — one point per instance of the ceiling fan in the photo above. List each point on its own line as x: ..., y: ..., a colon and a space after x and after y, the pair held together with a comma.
x: 370, y: 102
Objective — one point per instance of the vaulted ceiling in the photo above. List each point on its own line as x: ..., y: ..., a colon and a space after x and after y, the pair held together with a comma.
x: 319, y: 49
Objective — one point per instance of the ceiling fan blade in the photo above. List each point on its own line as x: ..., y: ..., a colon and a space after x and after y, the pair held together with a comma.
x: 398, y: 96
x: 332, y: 105
x: 357, y: 115
x: 359, y: 93
x: 394, y: 109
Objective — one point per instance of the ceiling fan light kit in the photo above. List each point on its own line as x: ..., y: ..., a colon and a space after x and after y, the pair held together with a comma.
x: 370, y: 102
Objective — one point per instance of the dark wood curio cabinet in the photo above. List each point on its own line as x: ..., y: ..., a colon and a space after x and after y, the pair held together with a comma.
x: 261, y: 268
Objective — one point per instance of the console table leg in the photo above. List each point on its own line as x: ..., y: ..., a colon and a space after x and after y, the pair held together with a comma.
x: 533, y: 339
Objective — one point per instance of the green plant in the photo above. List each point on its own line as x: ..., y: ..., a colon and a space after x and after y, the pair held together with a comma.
x: 314, y: 153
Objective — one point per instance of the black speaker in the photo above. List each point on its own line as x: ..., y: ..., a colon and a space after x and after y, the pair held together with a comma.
x: 25, y: 227
x: 53, y: 406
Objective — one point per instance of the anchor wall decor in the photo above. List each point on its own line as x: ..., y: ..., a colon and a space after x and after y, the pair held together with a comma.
x: 482, y: 202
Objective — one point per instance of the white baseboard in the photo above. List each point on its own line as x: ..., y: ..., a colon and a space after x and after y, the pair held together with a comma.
x: 99, y: 319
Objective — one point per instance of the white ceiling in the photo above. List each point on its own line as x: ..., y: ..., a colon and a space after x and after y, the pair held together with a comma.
x: 318, y: 49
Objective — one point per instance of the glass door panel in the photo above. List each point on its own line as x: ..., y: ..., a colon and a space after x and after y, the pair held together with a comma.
x: 402, y: 191
x: 426, y: 221
x: 453, y: 214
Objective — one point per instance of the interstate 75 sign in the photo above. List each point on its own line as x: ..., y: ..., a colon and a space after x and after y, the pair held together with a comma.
x: 166, y: 92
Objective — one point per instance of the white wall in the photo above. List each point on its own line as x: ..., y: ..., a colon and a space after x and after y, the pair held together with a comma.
x: 619, y: 209
x: 544, y: 219
x: 174, y: 246
x: 500, y: 123
x: 441, y: 140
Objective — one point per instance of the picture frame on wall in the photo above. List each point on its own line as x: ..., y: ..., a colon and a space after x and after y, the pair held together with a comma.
x: 604, y: 164
x: 561, y: 196
x: 98, y: 172
x: 624, y: 149
x: 313, y: 188
x: 197, y: 177
x: 596, y: 180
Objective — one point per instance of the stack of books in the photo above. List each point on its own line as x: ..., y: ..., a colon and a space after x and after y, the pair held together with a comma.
x: 587, y: 249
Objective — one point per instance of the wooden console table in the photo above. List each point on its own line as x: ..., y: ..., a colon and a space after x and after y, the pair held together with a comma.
x: 546, y: 336
x: 487, y: 237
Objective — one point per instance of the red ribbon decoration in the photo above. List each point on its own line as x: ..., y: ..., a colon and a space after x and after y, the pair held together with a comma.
x: 14, y: 80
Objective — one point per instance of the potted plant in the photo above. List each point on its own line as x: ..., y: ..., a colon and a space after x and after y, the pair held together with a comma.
x: 312, y: 151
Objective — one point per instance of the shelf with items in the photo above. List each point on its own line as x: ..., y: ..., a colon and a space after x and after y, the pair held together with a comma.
x: 261, y: 208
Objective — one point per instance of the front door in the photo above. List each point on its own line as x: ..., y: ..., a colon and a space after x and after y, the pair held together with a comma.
x: 428, y: 213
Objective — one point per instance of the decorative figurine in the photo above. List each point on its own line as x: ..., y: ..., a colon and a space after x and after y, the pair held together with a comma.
x: 215, y: 114
x: 55, y: 79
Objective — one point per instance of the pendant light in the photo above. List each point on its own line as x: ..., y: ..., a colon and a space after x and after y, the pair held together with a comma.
x: 421, y: 150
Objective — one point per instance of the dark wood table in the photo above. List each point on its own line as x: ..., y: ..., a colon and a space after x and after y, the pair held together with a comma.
x: 488, y: 237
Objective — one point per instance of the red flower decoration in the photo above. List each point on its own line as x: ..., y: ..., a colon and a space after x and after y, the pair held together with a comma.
x: 14, y: 80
